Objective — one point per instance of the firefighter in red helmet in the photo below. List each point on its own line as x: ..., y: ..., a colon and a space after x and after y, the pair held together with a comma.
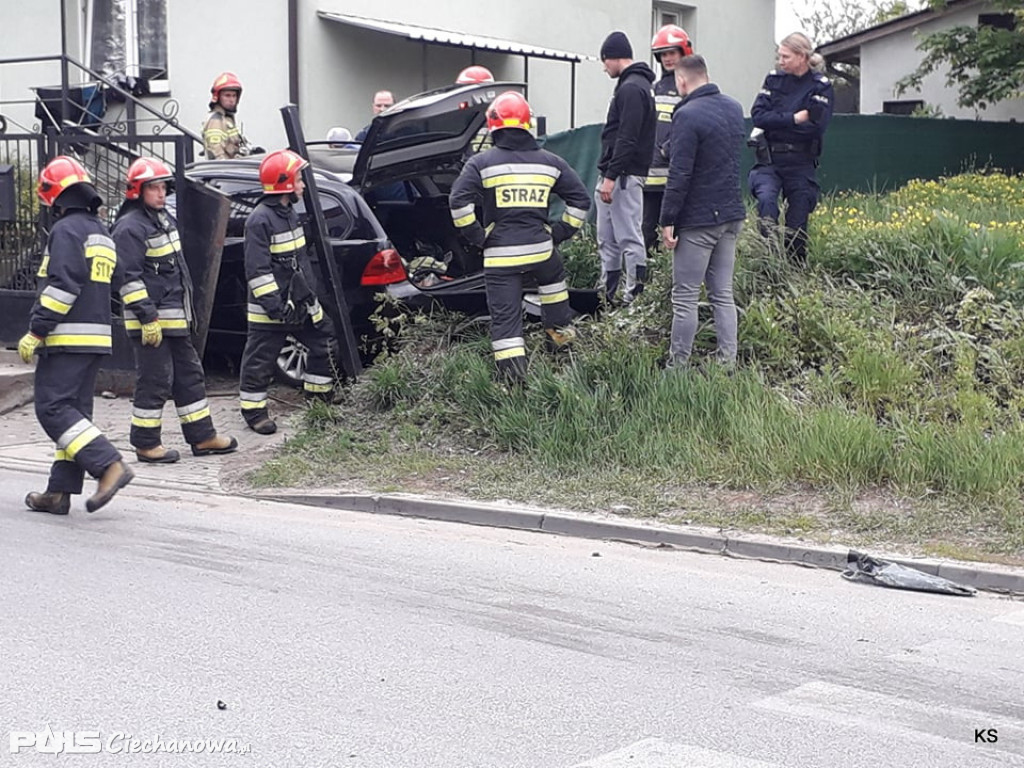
x: 670, y: 44
x: 477, y: 75
x: 222, y: 138
x: 282, y: 294
x: 69, y: 328
x: 157, y: 299
x: 474, y: 75
x: 510, y: 184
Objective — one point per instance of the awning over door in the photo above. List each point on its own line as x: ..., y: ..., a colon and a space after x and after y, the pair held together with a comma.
x: 454, y: 39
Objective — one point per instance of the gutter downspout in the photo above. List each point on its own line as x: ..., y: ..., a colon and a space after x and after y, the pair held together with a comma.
x: 293, y: 52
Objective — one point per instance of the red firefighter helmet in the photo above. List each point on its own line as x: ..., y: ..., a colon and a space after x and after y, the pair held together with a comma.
x: 143, y: 171
x: 474, y: 74
x: 59, y: 174
x: 509, y: 110
x: 670, y: 36
x: 226, y: 81
x: 279, y: 170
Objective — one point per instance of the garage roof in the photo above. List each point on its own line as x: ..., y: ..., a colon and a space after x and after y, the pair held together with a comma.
x: 453, y: 39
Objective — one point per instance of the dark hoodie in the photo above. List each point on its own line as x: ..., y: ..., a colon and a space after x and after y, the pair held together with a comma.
x: 627, y: 141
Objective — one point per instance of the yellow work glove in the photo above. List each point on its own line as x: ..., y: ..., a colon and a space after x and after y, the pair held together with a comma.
x: 27, y: 346
x: 152, y: 334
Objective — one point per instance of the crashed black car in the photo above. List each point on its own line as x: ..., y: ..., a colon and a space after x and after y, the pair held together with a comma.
x: 385, y: 204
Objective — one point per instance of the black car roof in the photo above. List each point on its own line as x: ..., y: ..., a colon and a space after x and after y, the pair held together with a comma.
x: 248, y: 169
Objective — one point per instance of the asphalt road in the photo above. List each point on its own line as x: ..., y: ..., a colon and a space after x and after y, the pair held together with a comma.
x: 338, y: 639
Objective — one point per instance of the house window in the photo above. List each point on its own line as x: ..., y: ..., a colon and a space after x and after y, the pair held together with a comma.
x: 129, y: 37
x: 997, y: 21
x: 684, y: 16
x: 905, y: 107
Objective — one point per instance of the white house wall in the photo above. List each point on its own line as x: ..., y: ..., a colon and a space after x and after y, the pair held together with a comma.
x: 735, y: 35
x: 23, y: 34
x: 886, y: 60
x: 246, y: 37
x: 341, y: 67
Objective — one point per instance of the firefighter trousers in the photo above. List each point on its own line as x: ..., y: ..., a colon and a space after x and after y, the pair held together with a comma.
x: 260, y: 358
x: 170, y: 371
x: 505, y: 301
x: 64, y: 385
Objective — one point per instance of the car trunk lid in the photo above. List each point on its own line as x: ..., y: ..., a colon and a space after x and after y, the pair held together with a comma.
x: 424, y: 133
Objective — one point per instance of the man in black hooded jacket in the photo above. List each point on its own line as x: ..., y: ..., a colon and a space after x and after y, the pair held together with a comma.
x: 627, y: 144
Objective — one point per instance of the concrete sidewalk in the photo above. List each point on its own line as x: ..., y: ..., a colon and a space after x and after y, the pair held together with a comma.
x: 16, y: 381
x: 24, y: 446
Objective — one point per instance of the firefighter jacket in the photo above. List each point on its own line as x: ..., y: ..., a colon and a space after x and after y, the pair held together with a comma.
x: 157, y: 285
x: 276, y: 265
x: 221, y: 135
x: 665, y: 99
x: 512, y: 182
x: 72, y: 311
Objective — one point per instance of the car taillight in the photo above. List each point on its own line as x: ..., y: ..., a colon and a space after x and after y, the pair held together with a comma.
x: 384, y: 268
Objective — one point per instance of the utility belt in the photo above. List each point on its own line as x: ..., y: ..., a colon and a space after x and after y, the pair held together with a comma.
x: 289, y: 260
x: 767, y: 153
x: 804, y: 148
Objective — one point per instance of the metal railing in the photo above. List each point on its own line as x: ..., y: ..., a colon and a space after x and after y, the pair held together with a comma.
x: 99, y: 121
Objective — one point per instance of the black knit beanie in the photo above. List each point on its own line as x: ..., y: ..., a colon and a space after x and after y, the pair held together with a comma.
x: 616, y: 46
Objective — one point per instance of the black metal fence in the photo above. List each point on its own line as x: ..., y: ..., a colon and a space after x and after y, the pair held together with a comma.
x: 20, y: 233
x: 99, y: 122
x: 105, y: 156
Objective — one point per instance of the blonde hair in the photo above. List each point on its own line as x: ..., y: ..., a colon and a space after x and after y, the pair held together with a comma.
x: 801, y: 44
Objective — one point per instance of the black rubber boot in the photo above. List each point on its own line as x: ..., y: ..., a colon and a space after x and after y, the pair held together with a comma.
x: 54, y: 502
x: 117, y: 476
x: 611, y: 284
x: 260, y: 422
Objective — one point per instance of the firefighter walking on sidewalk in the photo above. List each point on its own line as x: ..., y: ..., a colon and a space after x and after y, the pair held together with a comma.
x: 511, y: 183
x: 158, y: 318
x: 282, y: 294
x: 69, y: 329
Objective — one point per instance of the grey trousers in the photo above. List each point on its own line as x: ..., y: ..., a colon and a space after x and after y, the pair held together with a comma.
x: 704, y: 255
x: 619, y: 233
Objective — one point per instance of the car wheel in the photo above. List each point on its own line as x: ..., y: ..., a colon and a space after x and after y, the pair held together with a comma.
x: 291, y: 362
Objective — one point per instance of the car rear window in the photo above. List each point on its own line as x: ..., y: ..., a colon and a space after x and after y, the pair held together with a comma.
x: 415, y: 127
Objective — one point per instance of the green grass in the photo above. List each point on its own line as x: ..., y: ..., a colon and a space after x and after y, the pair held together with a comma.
x: 878, y: 398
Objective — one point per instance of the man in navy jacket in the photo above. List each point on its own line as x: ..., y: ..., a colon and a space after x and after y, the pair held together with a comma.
x: 702, y: 213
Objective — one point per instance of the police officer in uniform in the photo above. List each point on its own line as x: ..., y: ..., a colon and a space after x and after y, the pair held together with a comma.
x: 157, y: 294
x: 669, y: 45
x: 282, y: 294
x: 221, y: 135
x: 70, y: 329
x: 790, y: 115
x: 511, y: 183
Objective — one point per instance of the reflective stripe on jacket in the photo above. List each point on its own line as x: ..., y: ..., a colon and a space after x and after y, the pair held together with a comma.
x: 157, y: 284
x: 512, y: 184
x: 72, y: 310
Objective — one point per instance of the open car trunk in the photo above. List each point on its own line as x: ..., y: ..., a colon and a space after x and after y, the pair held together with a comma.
x: 405, y: 168
x: 412, y: 155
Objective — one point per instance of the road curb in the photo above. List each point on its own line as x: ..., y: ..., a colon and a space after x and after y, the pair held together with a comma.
x: 17, y: 388
x: 703, y: 540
